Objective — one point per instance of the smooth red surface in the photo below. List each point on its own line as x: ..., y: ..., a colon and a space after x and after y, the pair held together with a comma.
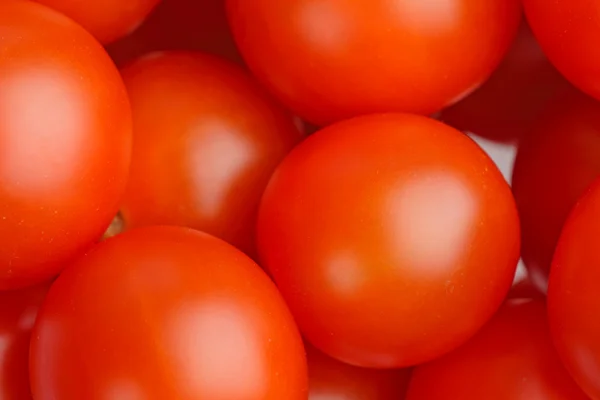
x: 330, y: 379
x: 506, y: 106
x: 206, y: 141
x: 383, y: 231
x: 107, y: 20
x: 569, y: 33
x: 334, y: 59
x: 526, y: 289
x: 65, y: 142
x: 18, y: 310
x: 512, y: 357
x: 573, y: 302
x: 166, y: 313
x: 554, y: 166
x: 180, y: 25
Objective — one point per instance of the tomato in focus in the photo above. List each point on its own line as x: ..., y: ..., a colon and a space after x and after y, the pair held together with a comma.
x: 569, y: 32
x: 573, y: 302
x: 383, y: 231
x: 330, y: 379
x: 107, y: 20
x: 335, y: 59
x: 180, y: 25
x: 187, y: 317
x: 206, y: 141
x: 512, y: 357
x: 65, y: 140
x: 506, y: 106
x: 18, y: 310
x: 554, y: 166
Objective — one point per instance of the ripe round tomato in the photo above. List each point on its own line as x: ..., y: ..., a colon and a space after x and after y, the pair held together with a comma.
x: 18, y: 310
x: 569, y: 32
x: 180, y: 25
x: 573, y: 302
x: 512, y: 357
x: 554, y: 166
x: 330, y: 379
x: 65, y: 138
x: 505, y: 107
x: 166, y: 313
x: 334, y: 59
x: 107, y: 20
x: 209, y: 138
x: 383, y: 231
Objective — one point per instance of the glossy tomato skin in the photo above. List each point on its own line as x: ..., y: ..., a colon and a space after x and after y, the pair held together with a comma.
x: 166, y: 313
x: 512, y: 357
x: 65, y: 139
x: 107, y: 20
x: 18, y: 310
x: 573, y: 302
x: 506, y: 106
x: 179, y: 25
x: 554, y: 166
x: 330, y: 379
x: 355, y: 229
x: 209, y: 138
x: 335, y: 59
x: 568, y: 32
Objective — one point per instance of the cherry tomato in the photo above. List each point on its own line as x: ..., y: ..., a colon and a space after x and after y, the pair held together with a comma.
x: 569, y: 32
x: 209, y: 138
x: 107, y: 20
x: 526, y: 289
x: 65, y: 138
x: 512, y: 357
x: 334, y: 59
x: 180, y: 25
x: 330, y: 379
x: 356, y: 229
x: 18, y: 311
x: 573, y: 302
x: 505, y: 107
x: 554, y: 166
x: 166, y: 313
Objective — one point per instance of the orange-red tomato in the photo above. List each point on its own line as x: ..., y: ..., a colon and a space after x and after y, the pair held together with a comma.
x: 568, y: 31
x: 573, y: 302
x: 334, y: 59
x: 107, y: 20
x: 512, y: 357
x: 65, y: 142
x: 206, y: 141
x: 18, y: 310
x: 330, y: 379
x: 166, y: 313
x: 555, y: 164
x: 505, y: 107
x: 180, y: 25
x: 383, y: 231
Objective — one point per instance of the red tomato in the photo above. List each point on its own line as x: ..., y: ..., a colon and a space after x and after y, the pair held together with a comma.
x: 512, y: 357
x: 505, y: 107
x: 166, y: 313
x: 573, y: 302
x: 554, y: 166
x: 526, y: 289
x: 107, y: 20
x: 209, y: 138
x: 18, y: 311
x: 569, y: 32
x: 65, y: 138
x: 180, y: 25
x: 334, y: 59
x: 381, y: 232
x: 330, y: 379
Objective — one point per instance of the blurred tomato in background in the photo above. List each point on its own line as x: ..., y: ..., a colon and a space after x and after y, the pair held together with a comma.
x: 505, y: 107
x: 554, y: 166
